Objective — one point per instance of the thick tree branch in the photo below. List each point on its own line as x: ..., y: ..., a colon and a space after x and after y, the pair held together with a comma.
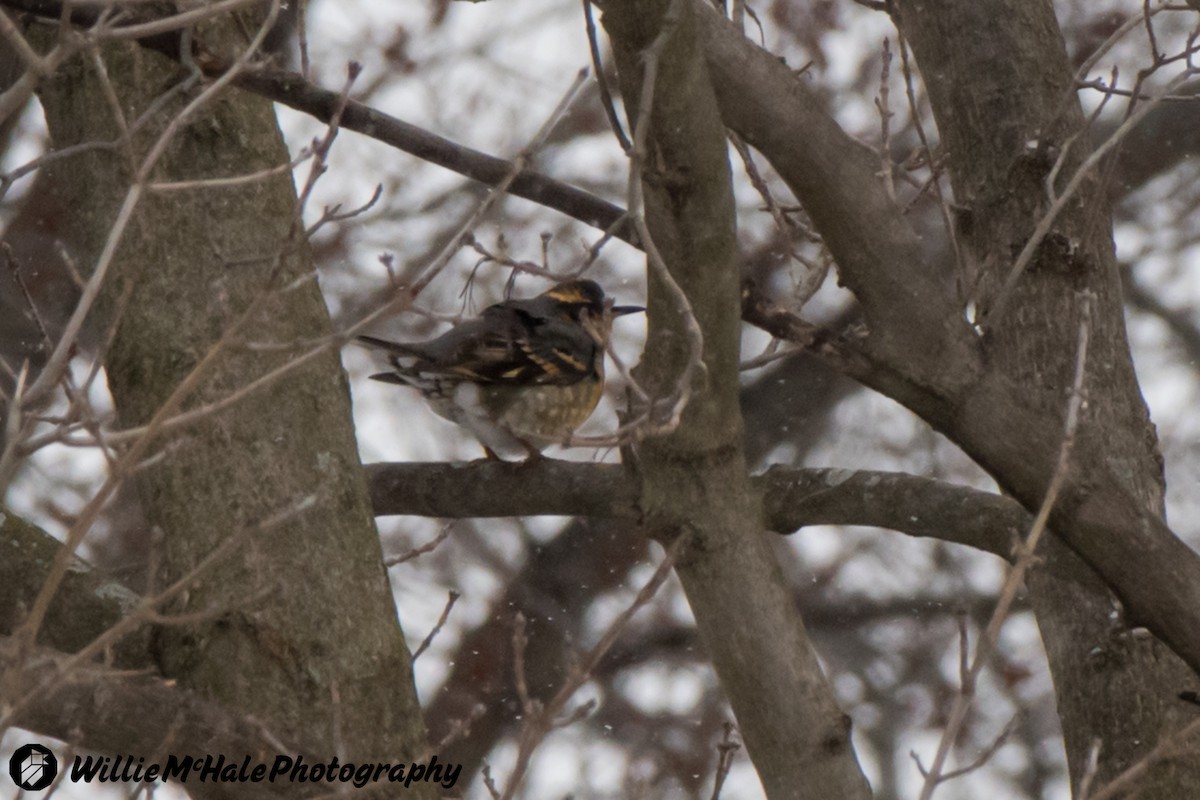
x: 498, y: 489
x: 910, y: 504
x: 1009, y: 120
x: 792, y: 498
x: 912, y: 316
x: 87, y: 604
x: 694, y: 488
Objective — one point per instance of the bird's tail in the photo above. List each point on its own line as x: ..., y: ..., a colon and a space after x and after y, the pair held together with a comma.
x: 391, y: 347
x: 402, y: 357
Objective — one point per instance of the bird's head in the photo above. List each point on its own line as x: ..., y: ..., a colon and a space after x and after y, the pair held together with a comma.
x: 583, y: 301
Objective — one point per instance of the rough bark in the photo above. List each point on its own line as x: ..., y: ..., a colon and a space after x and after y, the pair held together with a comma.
x: 694, y: 480
x: 298, y: 627
x: 1005, y: 106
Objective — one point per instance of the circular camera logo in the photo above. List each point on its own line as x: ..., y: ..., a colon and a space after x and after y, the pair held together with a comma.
x: 33, y: 767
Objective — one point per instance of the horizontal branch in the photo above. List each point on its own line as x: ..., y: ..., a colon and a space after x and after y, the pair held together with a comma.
x: 792, y: 498
x: 795, y: 497
x: 502, y: 489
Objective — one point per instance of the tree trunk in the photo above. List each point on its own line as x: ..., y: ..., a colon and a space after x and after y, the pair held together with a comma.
x: 1005, y: 106
x: 694, y: 480
x: 297, y: 628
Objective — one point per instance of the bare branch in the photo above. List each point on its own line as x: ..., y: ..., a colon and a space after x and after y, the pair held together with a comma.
x: 451, y: 599
x: 606, y: 100
x: 726, y: 750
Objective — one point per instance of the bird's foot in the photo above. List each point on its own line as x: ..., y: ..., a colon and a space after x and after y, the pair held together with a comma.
x: 532, y: 454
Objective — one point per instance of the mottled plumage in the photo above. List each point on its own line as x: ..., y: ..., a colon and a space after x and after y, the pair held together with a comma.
x: 521, y: 376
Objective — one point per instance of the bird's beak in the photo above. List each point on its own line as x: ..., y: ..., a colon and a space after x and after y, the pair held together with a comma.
x: 618, y: 311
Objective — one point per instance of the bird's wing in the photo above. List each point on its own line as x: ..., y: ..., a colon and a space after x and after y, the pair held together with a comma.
x: 511, y: 346
x: 556, y: 352
x: 507, y: 345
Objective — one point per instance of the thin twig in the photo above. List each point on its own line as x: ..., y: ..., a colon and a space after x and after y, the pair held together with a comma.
x: 459, y: 729
x: 302, y: 37
x: 428, y: 640
x: 962, y: 279
x: 885, y: 118
x: 236, y: 180
x: 17, y: 95
x: 520, y: 640
x: 489, y: 782
x: 16, y: 426
x: 1092, y: 766
x: 1108, y: 44
x: 1171, y: 746
x: 416, y: 552
x: 11, y: 259
x: 726, y: 750
x: 646, y: 425
x: 322, y: 147
x: 606, y: 100
x: 17, y: 43
x: 335, y: 213
x: 540, y: 719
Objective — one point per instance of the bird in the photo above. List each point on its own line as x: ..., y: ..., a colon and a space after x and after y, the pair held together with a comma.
x: 522, y: 375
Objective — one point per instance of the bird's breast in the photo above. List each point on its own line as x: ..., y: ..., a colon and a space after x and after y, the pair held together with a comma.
x: 547, y: 414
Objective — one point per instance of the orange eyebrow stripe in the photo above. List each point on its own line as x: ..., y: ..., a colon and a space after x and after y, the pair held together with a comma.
x: 567, y: 296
